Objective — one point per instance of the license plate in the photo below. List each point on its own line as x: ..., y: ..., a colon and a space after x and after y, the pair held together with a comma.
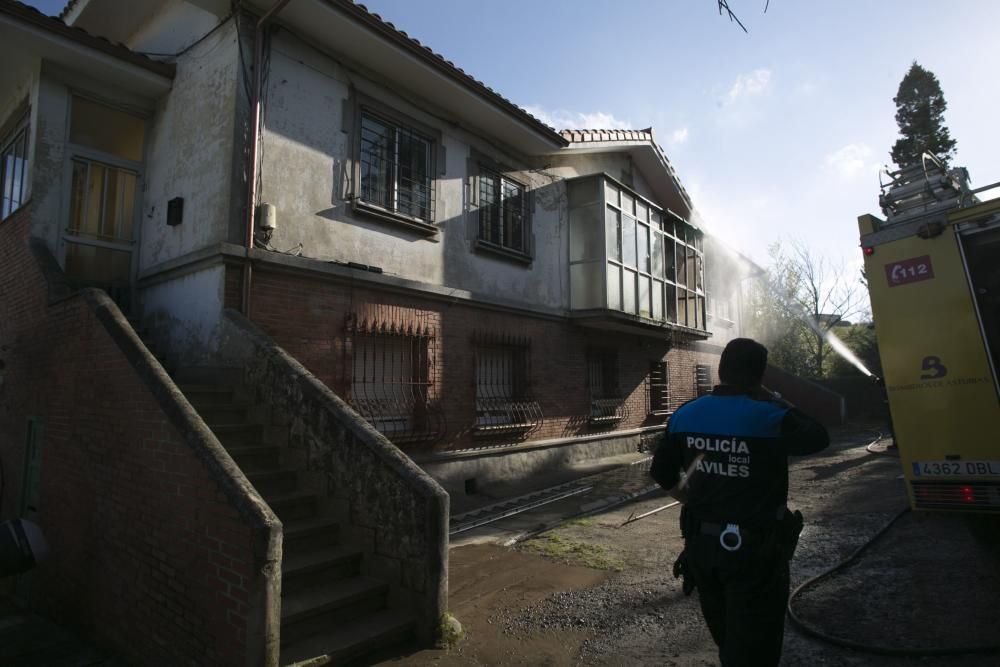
x: 955, y: 468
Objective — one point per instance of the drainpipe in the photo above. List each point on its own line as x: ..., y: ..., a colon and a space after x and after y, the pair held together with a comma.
x: 258, y: 57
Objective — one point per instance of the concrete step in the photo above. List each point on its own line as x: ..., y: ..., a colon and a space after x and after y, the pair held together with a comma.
x: 350, y: 640
x: 207, y: 395
x: 311, y: 611
x: 313, y: 566
x: 238, y: 435
x: 256, y: 458
x: 274, y: 482
x: 234, y: 412
x: 304, y: 534
x: 210, y: 375
x: 294, y: 505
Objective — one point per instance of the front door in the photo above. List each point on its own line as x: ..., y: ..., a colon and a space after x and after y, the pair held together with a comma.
x: 105, y: 153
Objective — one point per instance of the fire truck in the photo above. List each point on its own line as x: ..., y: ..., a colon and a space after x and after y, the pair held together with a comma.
x: 933, y: 272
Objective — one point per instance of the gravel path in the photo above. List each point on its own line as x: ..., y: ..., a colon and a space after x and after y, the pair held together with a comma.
x: 927, y: 581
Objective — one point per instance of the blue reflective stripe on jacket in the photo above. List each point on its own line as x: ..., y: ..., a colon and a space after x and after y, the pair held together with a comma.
x: 729, y: 415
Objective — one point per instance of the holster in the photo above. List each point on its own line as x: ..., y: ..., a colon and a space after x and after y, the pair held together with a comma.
x: 789, y: 528
x: 681, y: 572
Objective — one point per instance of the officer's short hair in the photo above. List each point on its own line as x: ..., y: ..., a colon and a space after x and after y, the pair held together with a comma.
x: 742, y: 363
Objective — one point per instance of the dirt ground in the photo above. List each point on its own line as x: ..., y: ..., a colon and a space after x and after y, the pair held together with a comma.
x: 927, y: 583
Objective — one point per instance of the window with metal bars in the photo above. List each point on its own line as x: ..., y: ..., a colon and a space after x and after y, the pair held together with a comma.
x: 390, y: 385
x: 14, y: 167
x: 503, y: 396
x: 396, y: 168
x: 606, y: 402
x: 503, y: 212
x: 659, y: 388
x: 703, y: 379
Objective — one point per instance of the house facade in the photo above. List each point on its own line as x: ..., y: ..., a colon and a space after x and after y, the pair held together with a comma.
x: 301, y: 276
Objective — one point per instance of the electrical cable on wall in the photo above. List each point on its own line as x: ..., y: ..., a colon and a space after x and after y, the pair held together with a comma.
x: 178, y: 54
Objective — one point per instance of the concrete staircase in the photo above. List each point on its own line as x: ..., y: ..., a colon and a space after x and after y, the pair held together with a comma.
x: 331, y: 613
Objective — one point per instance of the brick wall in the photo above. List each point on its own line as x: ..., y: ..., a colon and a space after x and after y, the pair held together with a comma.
x: 150, y: 554
x: 815, y: 400
x: 308, y: 316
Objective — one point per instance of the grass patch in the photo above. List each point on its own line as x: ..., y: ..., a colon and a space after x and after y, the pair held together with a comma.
x: 450, y: 632
x: 581, y: 521
x: 559, y: 548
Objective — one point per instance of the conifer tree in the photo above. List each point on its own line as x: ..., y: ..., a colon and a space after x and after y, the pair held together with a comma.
x: 920, y: 107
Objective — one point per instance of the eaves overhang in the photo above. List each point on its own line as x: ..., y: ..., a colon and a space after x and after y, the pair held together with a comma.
x: 346, y: 28
x: 63, y: 42
x: 645, y: 153
x: 343, y: 27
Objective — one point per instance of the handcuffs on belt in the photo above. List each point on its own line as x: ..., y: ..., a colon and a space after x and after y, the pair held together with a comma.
x: 730, y: 538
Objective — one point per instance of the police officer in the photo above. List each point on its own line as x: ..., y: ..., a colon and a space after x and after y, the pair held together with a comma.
x: 738, y: 532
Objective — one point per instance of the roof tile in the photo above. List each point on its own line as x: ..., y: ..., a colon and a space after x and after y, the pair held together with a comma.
x: 625, y: 136
x: 56, y: 25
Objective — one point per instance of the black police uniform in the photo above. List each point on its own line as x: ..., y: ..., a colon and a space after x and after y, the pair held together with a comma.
x: 735, y: 513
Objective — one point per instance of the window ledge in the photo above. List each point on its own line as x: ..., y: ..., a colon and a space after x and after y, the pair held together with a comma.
x: 373, y: 211
x: 505, y: 253
x: 491, y: 429
x: 607, y: 419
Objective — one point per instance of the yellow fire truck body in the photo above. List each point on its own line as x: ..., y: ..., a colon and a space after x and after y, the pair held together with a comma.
x: 934, y: 280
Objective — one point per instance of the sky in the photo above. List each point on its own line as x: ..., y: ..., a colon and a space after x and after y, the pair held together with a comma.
x: 777, y: 134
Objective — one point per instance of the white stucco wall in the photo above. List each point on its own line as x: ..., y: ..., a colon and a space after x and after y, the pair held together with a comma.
x: 306, y: 161
x: 49, y: 115
x: 190, y: 149
x: 174, y: 25
x: 617, y: 165
x: 184, y: 314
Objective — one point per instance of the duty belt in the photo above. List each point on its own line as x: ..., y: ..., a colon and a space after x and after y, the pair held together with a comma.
x: 730, y: 534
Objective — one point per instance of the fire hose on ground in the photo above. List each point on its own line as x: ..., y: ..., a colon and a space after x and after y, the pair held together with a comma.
x: 818, y: 633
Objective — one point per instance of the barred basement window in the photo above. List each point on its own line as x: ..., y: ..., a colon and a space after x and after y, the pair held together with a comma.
x: 390, y: 384
x: 606, y: 402
x: 659, y: 388
x: 503, y: 216
x: 397, y: 166
x: 14, y: 167
x: 703, y: 379
x: 503, y: 396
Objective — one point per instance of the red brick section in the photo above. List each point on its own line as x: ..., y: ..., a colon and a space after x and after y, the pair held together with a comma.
x: 148, y: 555
x: 307, y: 316
x: 815, y: 400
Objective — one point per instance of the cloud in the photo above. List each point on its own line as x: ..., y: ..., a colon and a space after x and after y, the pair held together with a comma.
x: 806, y: 89
x: 748, y: 85
x: 678, y: 136
x: 562, y: 119
x: 851, y: 161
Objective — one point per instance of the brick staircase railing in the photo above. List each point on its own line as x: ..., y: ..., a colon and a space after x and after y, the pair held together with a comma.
x: 389, y: 507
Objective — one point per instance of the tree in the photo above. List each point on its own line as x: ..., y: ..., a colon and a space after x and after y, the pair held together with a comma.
x: 800, y: 299
x: 920, y: 107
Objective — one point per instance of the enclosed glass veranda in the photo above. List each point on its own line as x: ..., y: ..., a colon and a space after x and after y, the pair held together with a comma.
x: 631, y: 259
